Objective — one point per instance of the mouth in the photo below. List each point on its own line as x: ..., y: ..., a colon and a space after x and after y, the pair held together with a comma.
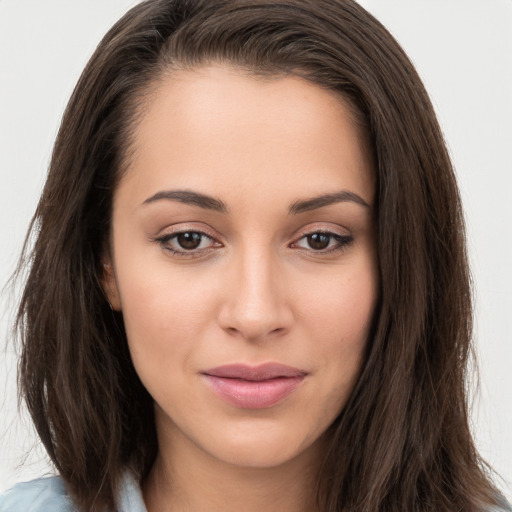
x: 254, y: 387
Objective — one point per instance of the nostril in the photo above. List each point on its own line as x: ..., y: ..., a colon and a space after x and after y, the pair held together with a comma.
x: 245, y: 333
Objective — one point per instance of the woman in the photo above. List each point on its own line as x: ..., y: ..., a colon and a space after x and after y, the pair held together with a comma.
x: 252, y: 237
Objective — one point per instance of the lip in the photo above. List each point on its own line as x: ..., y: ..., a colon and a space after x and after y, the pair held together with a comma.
x: 254, y: 387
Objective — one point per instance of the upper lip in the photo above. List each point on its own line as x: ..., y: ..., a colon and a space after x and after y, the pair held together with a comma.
x: 255, y: 373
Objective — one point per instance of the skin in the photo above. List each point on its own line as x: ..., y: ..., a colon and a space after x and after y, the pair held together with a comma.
x: 254, y: 291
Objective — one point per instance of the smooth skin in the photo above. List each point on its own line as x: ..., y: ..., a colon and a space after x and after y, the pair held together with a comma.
x: 242, y: 233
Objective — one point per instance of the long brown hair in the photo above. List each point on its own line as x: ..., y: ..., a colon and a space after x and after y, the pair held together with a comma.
x: 402, y: 441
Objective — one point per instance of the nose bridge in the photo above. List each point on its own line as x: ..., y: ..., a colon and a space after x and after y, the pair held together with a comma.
x: 256, y: 306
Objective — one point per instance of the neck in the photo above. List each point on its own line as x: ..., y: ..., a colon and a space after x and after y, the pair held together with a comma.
x: 188, y: 479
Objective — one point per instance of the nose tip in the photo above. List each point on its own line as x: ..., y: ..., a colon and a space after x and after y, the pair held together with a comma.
x: 255, y: 306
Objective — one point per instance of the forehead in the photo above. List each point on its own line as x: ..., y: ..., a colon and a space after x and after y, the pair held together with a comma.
x: 211, y: 127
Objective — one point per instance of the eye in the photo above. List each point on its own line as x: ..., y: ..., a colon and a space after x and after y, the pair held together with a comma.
x: 322, y: 241
x: 187, y: 243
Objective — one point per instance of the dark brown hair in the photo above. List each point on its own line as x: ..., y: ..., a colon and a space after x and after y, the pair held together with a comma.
x: 402, y: 442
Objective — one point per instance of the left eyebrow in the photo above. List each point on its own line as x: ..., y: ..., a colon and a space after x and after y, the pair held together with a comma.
x: 306, y: 205
x: 189, y: 197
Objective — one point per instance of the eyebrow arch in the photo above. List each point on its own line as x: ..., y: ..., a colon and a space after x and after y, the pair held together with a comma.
x: 189, y: 197
x: 313, y: 203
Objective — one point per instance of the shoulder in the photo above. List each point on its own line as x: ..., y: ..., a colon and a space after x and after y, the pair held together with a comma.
x: 50, y: 495
x: 41, y: 495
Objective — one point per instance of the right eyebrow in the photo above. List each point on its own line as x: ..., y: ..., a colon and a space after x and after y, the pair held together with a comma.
x: 189, y: 197
x: 314, y: 203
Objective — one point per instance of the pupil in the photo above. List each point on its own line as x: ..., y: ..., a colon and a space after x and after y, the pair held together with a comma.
x: 319, y: 241
x: 189, y: 240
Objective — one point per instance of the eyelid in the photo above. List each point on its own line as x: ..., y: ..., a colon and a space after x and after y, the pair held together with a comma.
x: 185, y: 227
x: 325, y: 227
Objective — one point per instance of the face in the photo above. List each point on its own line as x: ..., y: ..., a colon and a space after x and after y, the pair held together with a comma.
x: 243, y: 261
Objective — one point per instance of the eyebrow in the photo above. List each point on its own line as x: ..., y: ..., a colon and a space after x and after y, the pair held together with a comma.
x: 189, y: 197
x: 211, y: 203
x: 306, y: 205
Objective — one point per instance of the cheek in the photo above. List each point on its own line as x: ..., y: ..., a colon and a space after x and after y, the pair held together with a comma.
x: 338, y: 320
x: 341, y: 306
x: 165, y: 312
x: 166, y: 317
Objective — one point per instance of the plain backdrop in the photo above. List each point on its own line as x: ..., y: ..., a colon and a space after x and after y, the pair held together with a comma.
x: 463, y: 51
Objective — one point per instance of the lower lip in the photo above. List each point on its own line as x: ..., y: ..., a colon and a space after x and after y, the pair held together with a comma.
x: 253, y: 394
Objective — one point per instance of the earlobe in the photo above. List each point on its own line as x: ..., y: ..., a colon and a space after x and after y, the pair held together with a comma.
x: 109, y: 284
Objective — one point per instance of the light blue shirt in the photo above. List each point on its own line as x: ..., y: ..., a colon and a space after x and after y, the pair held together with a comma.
x: 50, y: 495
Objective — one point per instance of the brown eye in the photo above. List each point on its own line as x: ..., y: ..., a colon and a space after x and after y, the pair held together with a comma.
x: 189, y: 240
x: 318, y: 241
x: 188, y: 243
x: 323, y: 242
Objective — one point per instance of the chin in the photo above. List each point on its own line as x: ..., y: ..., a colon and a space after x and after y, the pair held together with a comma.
x: 263, y: 447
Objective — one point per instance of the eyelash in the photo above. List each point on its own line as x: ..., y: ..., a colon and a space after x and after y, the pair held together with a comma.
x: 342, y: 242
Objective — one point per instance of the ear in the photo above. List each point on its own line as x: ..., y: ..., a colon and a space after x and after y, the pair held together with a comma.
x: 109, y: 284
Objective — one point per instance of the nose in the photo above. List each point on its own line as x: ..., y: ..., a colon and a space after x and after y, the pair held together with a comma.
x: 255, y: 304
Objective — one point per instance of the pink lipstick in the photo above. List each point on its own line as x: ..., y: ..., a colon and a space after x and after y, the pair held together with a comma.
x: 254, y: 387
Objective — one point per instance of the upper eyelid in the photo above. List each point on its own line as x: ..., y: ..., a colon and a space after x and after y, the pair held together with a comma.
x: 181, y: 231
x: 328, y: 230
x: 166, y: 237
x: 336, y: 236
x: 186, y: 228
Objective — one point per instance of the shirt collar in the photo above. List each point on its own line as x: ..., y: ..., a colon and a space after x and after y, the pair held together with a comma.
x: 130, y: 495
